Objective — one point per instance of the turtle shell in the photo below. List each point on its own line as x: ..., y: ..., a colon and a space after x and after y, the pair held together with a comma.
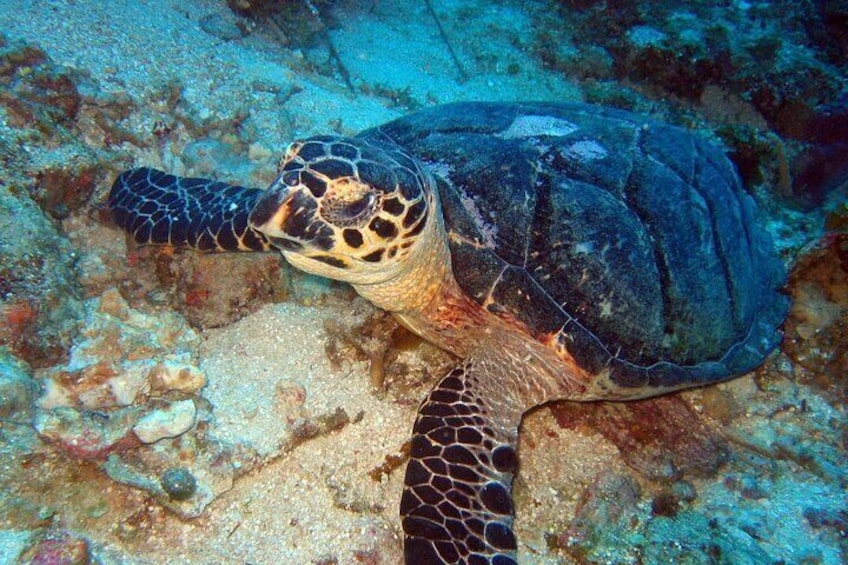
x: 628, y: 243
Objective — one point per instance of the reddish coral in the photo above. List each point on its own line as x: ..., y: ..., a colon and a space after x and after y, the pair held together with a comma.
x: 19, y: 315
x: 18, y: 331
x: 662, y: 438
x: 817, y: 327
x: 196, y: 297
x: 90, y: 445
x: 89, y: 435
x: 57, y: 549
x: 61, y: 190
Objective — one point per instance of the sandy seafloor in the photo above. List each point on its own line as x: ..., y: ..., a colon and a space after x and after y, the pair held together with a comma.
x: 778, y: 490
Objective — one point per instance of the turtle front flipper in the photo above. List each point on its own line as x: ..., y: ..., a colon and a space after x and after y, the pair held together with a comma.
x: 457, y: 501
x: 207, y: 215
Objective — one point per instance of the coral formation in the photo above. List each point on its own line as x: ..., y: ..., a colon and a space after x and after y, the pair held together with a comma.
x: 38, y: 281
x: 17, y: 387
x: 122, y: 357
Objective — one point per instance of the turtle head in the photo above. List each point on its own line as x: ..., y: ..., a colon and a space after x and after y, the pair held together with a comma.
x: 346, y: 209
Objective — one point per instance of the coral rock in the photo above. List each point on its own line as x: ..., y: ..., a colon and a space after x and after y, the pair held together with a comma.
x: 168, y: 376
x: 88, y: 435
x: 608, y: 511
x: 149, y: 469
x: 17, y: 388
x: 38, y: 281
x: 122, y: 356
x: 171, y: 421
x: 60, y: 548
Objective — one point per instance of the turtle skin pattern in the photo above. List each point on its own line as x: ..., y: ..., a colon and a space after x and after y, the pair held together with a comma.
x: 161, y: 209
x: 456, y: 504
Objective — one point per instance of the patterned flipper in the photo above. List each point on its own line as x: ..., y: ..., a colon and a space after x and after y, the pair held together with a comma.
x: 158, y: 208
x: 457, y: 502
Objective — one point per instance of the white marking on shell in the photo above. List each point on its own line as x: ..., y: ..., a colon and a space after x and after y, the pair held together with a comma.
x: 587, y: 150
x: 489, y: 231
x: 605, y: 308
x: 584, y: 248
x: 536, y: 126
x: 439, y: 169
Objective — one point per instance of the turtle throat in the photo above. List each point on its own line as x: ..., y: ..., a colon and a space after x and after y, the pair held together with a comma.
x: 423, y: 275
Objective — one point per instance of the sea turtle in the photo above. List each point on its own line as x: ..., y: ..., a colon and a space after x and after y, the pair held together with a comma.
x: 562, y: 251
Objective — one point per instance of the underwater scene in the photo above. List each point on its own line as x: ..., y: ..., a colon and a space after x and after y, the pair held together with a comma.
x: 453, y: 281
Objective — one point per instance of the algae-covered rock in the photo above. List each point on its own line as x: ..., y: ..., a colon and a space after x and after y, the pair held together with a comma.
x: 122, y: 356
x: 210, y: 290
x: 49, y: 168
x: 817, y: 326
x: 88, y: 435
x: 184, y: 475
x: 57, y: 548
x: 608, y: 512
x: 17, y: 388
x: 776, y: 67
x: 39, y: 290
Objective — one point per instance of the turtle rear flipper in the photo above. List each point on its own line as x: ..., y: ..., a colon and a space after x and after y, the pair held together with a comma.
x: 207, y: 215
x: 457, y: 502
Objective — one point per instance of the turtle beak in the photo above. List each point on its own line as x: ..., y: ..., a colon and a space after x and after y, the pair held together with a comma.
x: 271, y: 214
x: 287, y: 216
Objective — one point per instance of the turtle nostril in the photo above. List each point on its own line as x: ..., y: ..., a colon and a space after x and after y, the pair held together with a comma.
x: 269, y: 203
x: 289, y: 178
x: 356, y: 208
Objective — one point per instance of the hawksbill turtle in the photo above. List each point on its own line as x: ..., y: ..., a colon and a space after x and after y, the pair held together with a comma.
x: 562, y: 251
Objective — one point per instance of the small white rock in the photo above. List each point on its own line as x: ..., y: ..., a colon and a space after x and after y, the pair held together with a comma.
x: 171, y: 421
x: 258, y: 152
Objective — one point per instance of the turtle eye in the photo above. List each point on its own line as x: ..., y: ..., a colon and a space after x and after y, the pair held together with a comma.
x: 355, y: 209
x: 349, y: 213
